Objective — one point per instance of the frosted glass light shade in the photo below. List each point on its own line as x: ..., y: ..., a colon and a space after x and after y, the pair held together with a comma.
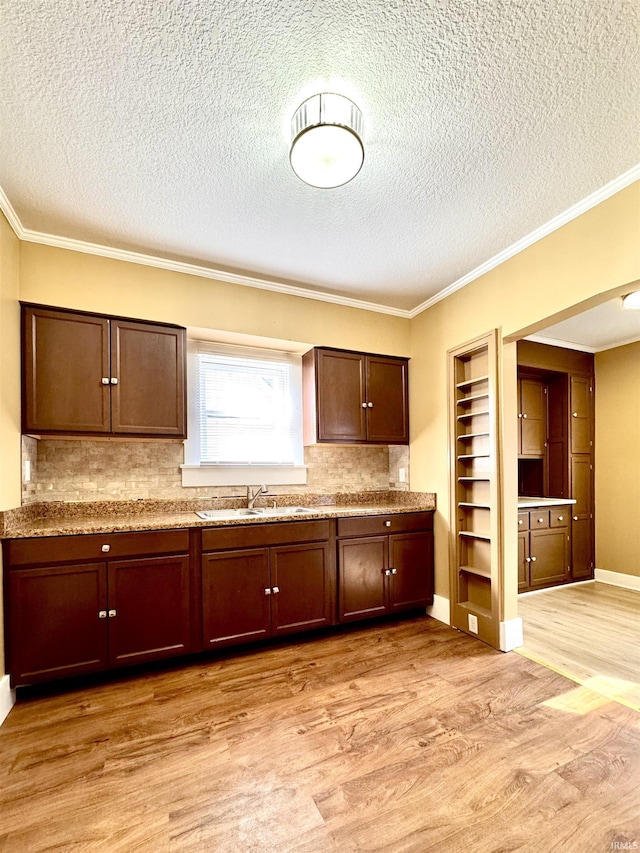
x: 631, y: 300
x: 326, y: 141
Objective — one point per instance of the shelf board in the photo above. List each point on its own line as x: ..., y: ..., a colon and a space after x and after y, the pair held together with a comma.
x: 473, y: 570
x: 472, y: 415
x: 468, y: 436
x: 464, y: 400
x: 472, y: 534
x: 486, y: 479
x: 475, y: 608
x: 473, y: 506
x: 474, y: 456
x: 468, y: 382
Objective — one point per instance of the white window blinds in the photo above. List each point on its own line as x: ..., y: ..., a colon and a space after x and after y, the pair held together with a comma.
x: 245, y: 412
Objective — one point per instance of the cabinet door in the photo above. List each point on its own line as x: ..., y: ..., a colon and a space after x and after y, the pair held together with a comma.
x: 148, y: 609
x: 302, y: 587
x: 341, y: 402
x: 549, y: 551
x: 387, y: 400
x: 523, y: 560
x: 148, y: 363
x: 533, y: 423
x: 362, y: 565
x: 65, y: 358
x: 236, y: 594
x: 580, y: 421
x: 581, y: 549
x: 57, y: 622
x: 411, y: 566
x: 582, y: 523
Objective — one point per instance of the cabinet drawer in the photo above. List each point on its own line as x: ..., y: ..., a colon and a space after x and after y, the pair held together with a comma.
x: 523, y: 521
x: 538, y: 519
x: 559, y: 516
x: 370, y: 525
x: 63, y: 549
x: 262, y: 535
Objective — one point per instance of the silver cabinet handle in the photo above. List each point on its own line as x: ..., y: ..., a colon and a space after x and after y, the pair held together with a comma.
x: 533, y: 559
x: 364, y: 405
x: 561, y: 518
x: 519, y: 414
x: 370, y: 405
x: 102, y: 614
x: 575, y: 517
x: 524, y: 416
x: 267, y: 591
x: 394, y: 571
x: 112, y: 613
x: 114, y: 381
x: 574, y: 414
x: 387, y: 524
x: 105, y: 380
x: 387, y: 572
x: 520, y: 521
x: 528, y: 559
x: 540, y: 520
x: 276, y: 590
x: 105, y: 549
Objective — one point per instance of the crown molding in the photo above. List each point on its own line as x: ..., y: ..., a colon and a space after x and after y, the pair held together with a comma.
x: 127, y: 256
x: 573, y: 212
x: 558, y: 342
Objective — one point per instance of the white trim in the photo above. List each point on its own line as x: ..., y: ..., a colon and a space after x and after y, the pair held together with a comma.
x: 617, y: 579
x: 511, y: 636
x: 7, y: 698
x: 556, y: 342
x: 549, y: 227
x: 440, y: 609
x: 552, y: 588
x: 576, y: 210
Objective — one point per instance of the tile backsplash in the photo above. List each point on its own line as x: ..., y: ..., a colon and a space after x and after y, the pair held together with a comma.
x: 70, y: 470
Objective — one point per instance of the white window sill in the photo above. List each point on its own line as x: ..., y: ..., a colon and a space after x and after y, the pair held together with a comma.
x: 244, y: 475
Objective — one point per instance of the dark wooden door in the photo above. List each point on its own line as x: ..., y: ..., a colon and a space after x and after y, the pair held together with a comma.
x: 65, y: 372
x: 301, y: 587
x: 411, y: 567
x: 582, y: 522
x: 147, y: 361
x: 387, y: 400
x: 549, y: 552
x: 341, y: 402
x: 236, y: 595
x: 533, y: 423
x: 580, y: 421
x: 57, y: 622
x: 363, y: 588
x: 148, y: 609
x: 523, y: 560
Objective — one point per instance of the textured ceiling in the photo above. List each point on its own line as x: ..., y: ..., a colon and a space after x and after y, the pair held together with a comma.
x: 161, y: 126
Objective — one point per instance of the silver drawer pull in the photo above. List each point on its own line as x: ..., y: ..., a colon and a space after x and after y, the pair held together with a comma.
x: 387, y: 524
x: 561, y: 518
x: 540, y: 520
x: 105, y: 549
x: 520, y: 521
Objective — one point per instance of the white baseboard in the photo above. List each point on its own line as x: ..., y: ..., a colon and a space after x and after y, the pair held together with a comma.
x: 440, y: 609
x: 7, y: 698
x: 511, y: 636
x: 617, y: 579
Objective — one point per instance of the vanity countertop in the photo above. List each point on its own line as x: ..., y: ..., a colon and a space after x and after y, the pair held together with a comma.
x: 537, y: 503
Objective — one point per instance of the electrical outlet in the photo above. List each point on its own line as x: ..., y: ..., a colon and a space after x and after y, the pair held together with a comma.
x: 402, y: 475
x: 473, y: 623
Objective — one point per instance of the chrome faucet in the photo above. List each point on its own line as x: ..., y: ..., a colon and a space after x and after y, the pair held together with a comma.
x: 253, y: 496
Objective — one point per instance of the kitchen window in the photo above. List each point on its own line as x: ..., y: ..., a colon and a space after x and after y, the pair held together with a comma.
x: 245, y: 417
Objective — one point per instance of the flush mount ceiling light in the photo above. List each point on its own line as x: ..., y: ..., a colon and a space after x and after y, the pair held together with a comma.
x: 631, y: 300
x: 326, y: 141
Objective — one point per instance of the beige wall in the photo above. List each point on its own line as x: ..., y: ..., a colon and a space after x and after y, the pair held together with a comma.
x: 596, y: 253
x: 618, y: 460
x: 75, y: 280
x: 9, y: 382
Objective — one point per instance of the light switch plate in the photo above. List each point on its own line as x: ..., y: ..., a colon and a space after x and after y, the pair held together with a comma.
x: 473, y: 623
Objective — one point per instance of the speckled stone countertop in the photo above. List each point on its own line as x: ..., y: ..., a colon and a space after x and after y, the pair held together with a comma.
x: 59, y: 518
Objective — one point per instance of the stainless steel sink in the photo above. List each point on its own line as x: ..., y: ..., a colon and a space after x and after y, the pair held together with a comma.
x: 221, y: 514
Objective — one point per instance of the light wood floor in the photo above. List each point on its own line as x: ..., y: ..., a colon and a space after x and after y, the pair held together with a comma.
x: 590, y: 632
x: 400, y: 737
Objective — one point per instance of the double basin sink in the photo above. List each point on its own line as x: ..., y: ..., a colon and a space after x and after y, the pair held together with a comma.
x: 255, y: 512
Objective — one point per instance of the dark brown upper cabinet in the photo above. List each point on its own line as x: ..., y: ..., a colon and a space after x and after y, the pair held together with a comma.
x: 86, y: 374
x: 355, y: 398
x: 532, y: 417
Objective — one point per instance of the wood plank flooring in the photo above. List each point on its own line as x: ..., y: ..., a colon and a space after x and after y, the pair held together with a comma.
x: 394, y: 737
x: 590, y: 632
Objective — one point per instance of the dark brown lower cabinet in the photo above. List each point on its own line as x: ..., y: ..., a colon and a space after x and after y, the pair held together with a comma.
x: 252, y: 593
x: 68, y: 618
x: 384, y: 573
x: 543, y: 548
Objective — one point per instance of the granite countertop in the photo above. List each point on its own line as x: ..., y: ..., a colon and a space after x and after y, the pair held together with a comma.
x: 66, y: 519
x: 536, y: 503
